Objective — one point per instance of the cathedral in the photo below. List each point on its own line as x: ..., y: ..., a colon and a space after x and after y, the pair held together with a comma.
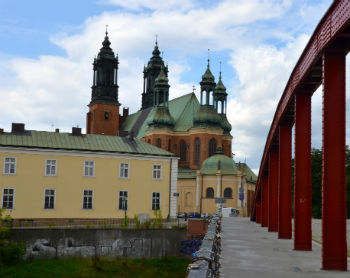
x: 197, y: 131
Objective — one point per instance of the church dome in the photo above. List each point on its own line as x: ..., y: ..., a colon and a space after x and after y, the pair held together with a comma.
x: 217, y: 162
x: 161, y: 118
x: 208, y: 76
x: 207, y: 116
x: 226, y: 126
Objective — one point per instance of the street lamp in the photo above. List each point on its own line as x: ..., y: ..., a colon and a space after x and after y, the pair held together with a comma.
x: 125, y: 207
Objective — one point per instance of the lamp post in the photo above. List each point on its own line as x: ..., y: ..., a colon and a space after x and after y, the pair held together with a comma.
x: 124, y: 202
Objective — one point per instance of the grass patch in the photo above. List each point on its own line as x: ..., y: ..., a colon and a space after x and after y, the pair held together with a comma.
x: 99, y: 267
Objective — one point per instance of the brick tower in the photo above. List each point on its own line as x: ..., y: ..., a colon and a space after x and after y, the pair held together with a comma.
x: 103, y: 115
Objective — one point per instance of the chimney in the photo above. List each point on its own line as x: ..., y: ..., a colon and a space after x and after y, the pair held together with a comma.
x: 125, y: 112
x: 76, y: 131
x: 1, y: 130
x: 17, y: 128
x: 131, y: 135
x: 57, y: 130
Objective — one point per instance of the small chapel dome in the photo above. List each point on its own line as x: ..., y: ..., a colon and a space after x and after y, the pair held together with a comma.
x: 207, y: 117
x: 217, y: 162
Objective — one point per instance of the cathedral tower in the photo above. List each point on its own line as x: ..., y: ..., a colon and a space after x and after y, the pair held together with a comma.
x: 103, y: 115
x: 150, y: 73
x: 220, y: 104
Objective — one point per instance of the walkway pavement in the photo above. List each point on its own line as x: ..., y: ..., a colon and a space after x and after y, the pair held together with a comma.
x: 248, y: 250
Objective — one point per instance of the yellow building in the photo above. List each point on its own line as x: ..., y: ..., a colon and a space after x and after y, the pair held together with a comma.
x: 219, y: 177
x: 72, y: 176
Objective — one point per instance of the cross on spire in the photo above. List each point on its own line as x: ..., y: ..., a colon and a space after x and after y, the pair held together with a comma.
x: 208, y: 57
x: 106, y: 29
x: 156, y: 39
x: 193, y: 88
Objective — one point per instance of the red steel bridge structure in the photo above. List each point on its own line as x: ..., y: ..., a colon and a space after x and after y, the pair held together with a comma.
x: 322, y: 62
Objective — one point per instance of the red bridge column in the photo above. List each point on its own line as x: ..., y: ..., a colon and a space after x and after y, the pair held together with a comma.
x: 273, y: 191
x: 334, y: 246
x: 302, y: 172
x: 264, y: 201
x: 258, y: 212
x: 284, y: 181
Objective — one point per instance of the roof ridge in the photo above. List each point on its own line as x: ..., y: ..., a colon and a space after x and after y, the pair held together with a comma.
x: 189, y: 103
x: 181, y: 96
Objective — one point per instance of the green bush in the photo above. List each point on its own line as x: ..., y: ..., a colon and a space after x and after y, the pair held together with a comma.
x: 146, y: 224
x: 158, y: 220
x: 10, y: 252
x: 125, y: 222
x: 137, y: 221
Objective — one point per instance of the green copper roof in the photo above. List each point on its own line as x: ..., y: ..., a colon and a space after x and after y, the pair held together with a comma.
x: 218, y: 162
x: 208, y: 76
x: 85, y: 142
x: 182, y: 109
x: 226, y: 126
x: 186, y: 173
x: 161, y: 79
x: 161, y: 118
x: 106, y: 51
x: 207, y: 117
x: 220, y: 88
x: 244, y: 168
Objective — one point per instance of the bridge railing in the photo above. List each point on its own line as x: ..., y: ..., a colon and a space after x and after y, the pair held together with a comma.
x: 205, y: 262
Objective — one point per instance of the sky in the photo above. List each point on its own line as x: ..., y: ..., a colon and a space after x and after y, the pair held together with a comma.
x: 47, y: 49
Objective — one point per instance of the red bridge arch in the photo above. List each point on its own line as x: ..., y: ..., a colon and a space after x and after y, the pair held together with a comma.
x: 321, y: 63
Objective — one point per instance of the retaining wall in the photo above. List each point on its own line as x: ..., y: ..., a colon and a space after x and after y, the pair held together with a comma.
x: 89, y: 242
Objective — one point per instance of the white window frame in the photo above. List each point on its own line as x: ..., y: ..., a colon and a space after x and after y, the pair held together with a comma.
x: 127, y: 201
x: 122, y: 169
x: 92, y: 199
x: 156, y: 170
x: 50, y: 173
x: 10, y: 163
x: 88, y: 167
x: 54, y: 198
x: 13, y: 197
x: 160, y: 199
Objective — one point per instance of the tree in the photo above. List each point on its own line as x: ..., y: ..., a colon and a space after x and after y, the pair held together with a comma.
x: 316, y: 180
x: 10, y: 252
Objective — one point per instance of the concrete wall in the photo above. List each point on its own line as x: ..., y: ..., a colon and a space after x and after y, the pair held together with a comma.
x: 133, y: 243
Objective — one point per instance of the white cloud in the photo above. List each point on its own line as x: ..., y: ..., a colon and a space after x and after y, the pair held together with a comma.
x: 55, y: 90
x: 137, y: 5
x: 263, y: 72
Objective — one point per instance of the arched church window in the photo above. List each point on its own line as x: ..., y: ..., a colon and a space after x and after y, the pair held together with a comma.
x: 159, y: 143
x: 219, y: 107
x: 183, y: 151
x: 212, y: 146
x: 197, y: 151
x: 228, y: 192
x: 210, y: 192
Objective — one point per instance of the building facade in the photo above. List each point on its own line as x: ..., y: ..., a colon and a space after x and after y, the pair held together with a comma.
x: 194, y: 130
x: 74, y: 177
